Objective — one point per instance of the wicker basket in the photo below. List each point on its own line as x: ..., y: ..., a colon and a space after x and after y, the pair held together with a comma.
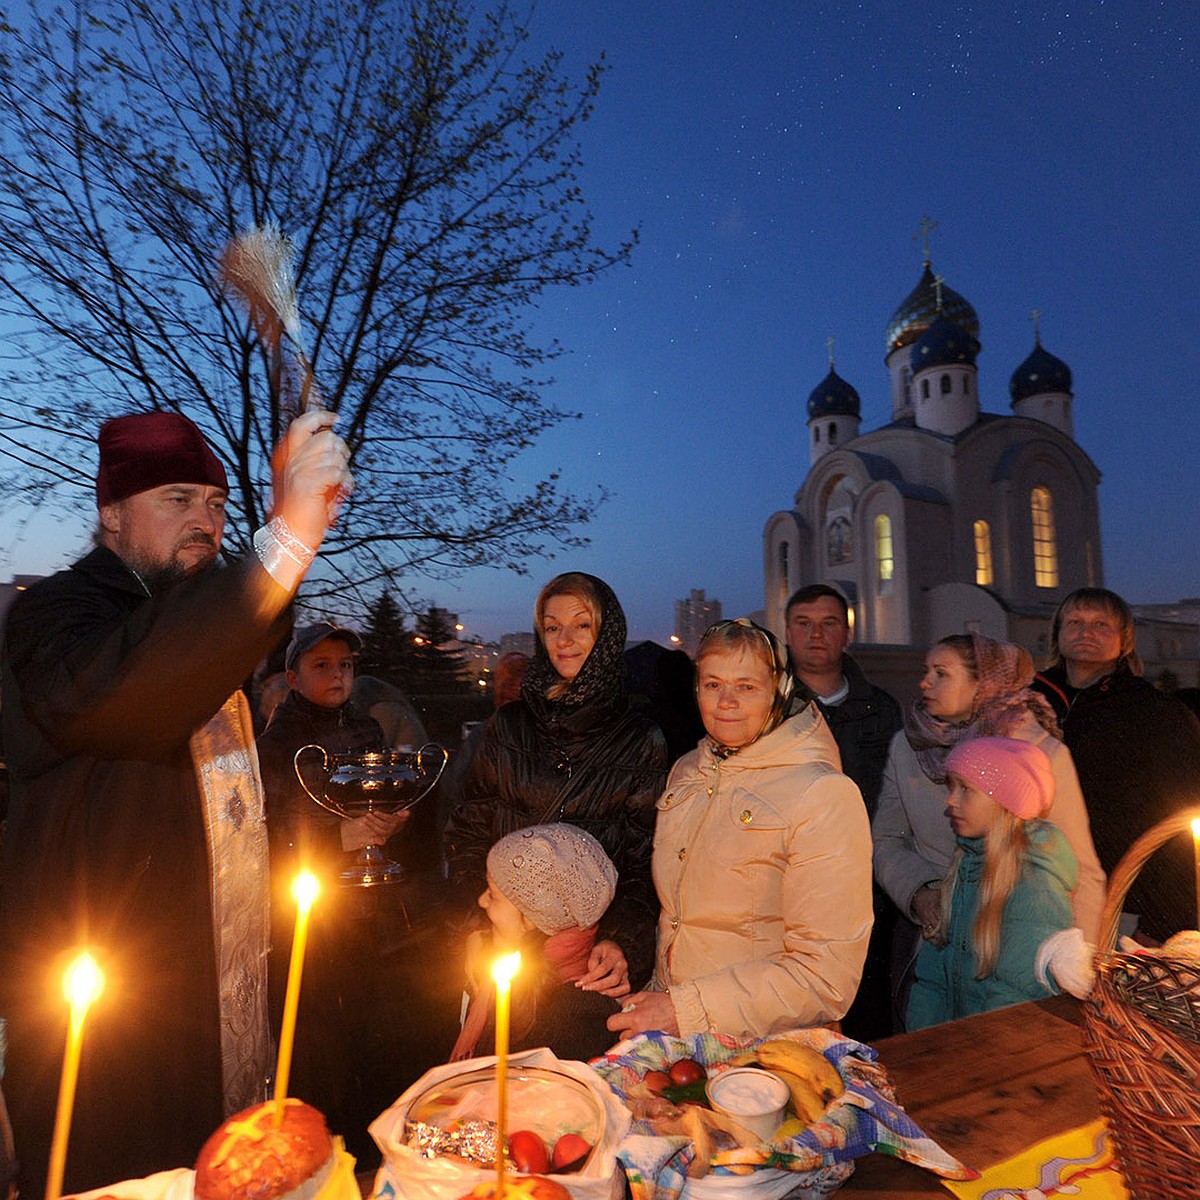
x: 1141, y: 1032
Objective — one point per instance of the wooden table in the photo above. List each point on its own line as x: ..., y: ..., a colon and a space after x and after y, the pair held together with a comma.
x: 984, y: 1088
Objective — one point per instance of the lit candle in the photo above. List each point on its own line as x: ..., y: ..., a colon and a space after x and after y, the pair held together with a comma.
x: 305, y: 890
x: 1196, y: 851
x: 503, y: 970
x: 82, y: 983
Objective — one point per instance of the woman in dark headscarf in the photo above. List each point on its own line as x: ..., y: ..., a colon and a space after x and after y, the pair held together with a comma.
x: 570, y: 750
x: 973, y: 686
x: 762, y: 859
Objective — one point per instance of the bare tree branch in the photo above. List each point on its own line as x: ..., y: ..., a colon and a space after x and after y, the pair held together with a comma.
x: 425, y: 169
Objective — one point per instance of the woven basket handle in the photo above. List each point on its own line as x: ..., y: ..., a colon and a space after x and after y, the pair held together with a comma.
x: 1133, y: 860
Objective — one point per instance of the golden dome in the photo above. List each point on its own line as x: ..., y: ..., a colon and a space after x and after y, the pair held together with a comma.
x: 919, y: 308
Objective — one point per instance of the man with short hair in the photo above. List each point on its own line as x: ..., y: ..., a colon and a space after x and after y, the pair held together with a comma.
x: 863, y: 719
x: 136, y: 820
x: 1136, y: 750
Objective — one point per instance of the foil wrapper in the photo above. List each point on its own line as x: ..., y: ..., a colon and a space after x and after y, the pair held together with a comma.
x: 472, y: 1141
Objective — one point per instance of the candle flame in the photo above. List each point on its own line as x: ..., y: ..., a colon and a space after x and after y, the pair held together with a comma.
x: 505, y: 967
x: 83, y: 982
x: 306, y: 889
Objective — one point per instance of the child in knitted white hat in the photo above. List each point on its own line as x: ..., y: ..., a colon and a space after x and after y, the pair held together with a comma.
x: 548, y: 887
x: 1008, y: 889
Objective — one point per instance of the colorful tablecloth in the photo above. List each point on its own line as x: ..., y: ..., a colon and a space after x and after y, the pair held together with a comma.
x: 815, y: 1162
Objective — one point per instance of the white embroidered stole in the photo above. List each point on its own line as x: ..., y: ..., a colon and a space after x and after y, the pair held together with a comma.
x: 235, y: 824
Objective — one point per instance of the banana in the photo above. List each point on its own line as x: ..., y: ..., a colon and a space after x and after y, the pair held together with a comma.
x: 784, y: 1054
x: 806, y: 1102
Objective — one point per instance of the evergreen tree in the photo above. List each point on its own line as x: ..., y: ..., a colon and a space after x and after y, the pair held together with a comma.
x: 439, y: 664
x: 387, y: 645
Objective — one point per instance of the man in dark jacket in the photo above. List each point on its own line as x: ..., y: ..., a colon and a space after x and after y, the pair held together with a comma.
x: 1137, y: 751
x: 135, y: 824
x: 862, y: 718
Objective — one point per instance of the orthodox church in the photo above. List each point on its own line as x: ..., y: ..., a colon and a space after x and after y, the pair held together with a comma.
x: 948, y: 518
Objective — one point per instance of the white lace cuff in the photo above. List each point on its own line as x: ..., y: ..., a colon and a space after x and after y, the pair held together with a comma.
x: 283, y: 555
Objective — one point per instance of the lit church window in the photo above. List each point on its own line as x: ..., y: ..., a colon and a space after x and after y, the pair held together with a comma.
x: 983, y: 554
x: 884, y: 558
x: 1045, y: 553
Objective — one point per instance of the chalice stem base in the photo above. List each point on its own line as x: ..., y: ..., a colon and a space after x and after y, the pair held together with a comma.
x: 372, y: 868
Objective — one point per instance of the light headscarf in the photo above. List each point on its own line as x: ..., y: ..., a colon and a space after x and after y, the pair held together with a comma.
x: 785, y: 702
x: 1003, y: 697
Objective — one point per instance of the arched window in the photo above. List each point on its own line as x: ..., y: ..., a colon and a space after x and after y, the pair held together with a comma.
x: 832, y: 434
x: 983, y: 554
x: 816, y: 435
x: 1045, y: 552
x: 966, y: 385
x: 924, y: 389
x: 784, y: 586
x: 885, y: 560
x: 946, y: 385
x: 907, y: 386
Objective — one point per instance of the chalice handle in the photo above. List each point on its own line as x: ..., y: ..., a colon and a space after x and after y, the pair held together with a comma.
x: 321, y: 800
x: 430, y: 746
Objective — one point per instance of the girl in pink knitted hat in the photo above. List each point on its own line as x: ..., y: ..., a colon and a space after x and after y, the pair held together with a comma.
x: 1008, y: 888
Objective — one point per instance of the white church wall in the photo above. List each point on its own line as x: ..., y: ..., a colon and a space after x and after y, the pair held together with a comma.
x: 965, y: 608
x: 786, y: 551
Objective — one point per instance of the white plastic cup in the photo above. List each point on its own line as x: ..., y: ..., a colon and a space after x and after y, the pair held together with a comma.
x: 754, y: 1098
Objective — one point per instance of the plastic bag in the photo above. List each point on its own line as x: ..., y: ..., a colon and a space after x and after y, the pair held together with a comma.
x: 404, y: 1172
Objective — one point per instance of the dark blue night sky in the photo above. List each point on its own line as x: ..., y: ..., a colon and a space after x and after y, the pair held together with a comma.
x: 778, y: 158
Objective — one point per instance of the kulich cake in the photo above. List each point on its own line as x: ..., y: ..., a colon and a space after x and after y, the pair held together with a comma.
x: 520, y: 1187
x: 249, y: 1157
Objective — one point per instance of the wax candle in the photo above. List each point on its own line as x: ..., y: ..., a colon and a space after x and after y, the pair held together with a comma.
x: 82, y: 983
x: 305, y: 891
x: 1196, y: 852
x: 503, y: 970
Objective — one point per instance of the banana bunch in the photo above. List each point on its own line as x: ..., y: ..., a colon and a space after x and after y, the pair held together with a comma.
x: 812, y: 1080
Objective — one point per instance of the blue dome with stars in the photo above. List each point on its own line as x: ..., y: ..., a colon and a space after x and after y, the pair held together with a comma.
x: 833, y: 397
x: 943, y: 344
x: 1040, y: 373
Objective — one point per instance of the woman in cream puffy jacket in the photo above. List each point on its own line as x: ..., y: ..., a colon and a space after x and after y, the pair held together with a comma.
x: 762, y: 859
